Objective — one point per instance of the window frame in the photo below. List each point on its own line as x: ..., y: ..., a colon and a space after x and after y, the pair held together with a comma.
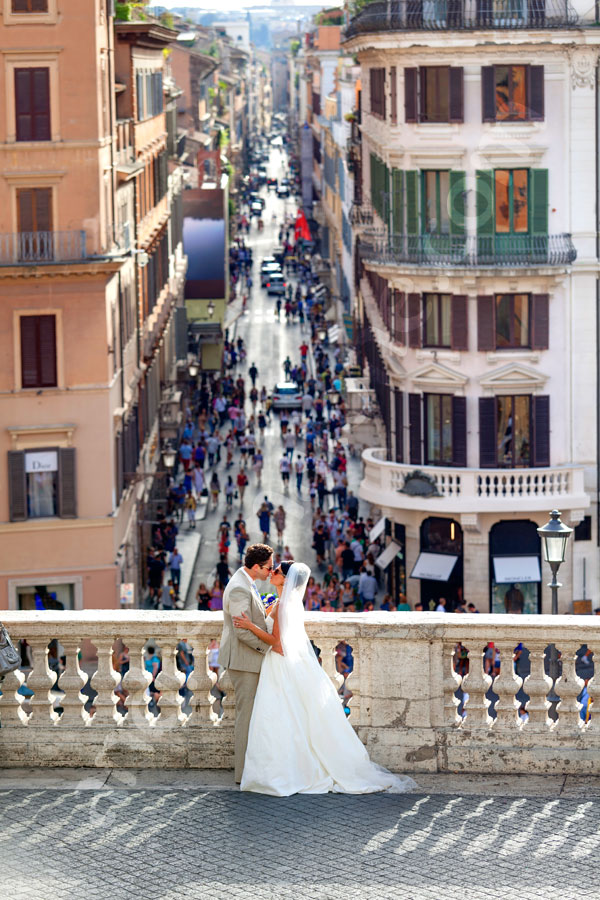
x: 422, y: 85
x: 512, y: 117
x: 428, y: 461
x: 511, y: 199
x: 513, y: 398
x: 49, y: 17
x: 439, y: 203
x: 18, y: 314
x: 512, y: 345
x: 438, y: 296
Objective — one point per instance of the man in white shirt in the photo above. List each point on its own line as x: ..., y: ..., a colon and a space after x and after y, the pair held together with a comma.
x: 441, y: 606
x: 299, y: 473
x: 284, y: 467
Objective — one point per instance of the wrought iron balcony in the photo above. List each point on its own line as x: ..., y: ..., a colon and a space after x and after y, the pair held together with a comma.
x: 25, y: 248
x: 461, y: 15
x: 444, y: 250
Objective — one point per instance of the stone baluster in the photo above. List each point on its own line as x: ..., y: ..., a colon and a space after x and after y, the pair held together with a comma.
x: 11, y: 702
x: 568, y: 688
x: 476, y: 685
x: 201, y: 682
x: 452, y: 682
x: 40, y: 680
x: 353, y: 681
x: 328, y: 658
x: 168, y: 681
x: 506, y: 685
x: 71, y: 681
x: 135, y: 682
x: 537, y: 685
x: 104, y: 681
x: 228, y: 702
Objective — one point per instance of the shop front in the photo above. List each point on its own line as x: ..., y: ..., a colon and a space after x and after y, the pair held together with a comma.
x: 515, y: 570
x: 439, y: 566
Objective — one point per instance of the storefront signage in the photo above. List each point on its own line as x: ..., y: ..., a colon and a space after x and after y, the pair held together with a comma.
x: 43, y: 461
x: 127, y: 589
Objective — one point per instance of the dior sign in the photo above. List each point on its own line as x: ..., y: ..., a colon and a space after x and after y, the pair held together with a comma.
x: 44, y: 461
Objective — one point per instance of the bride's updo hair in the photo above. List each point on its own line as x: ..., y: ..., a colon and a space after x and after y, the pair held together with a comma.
x: 285, y: 566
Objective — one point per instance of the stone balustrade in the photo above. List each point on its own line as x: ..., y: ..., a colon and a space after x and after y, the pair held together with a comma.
x: 418, y: 702
x: 466, y: 490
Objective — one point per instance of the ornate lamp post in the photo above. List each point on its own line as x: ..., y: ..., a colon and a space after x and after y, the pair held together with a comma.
x: 555, y: 536
x: 169, y: 454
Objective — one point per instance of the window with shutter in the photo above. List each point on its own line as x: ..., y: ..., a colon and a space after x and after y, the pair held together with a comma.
x: 38, y: 351
x: 437, y: 317
x: 535, y: 93
x: 139, y: 90
x: 67, y: 486
x: 486, y: 328
x: 377, y: 92
x: 438, y: 429
x: 411, y: 180
x: 459, y: 431
x: 460, y: 323
x: 513, y: 431
x: 541, y: 431
x: 400, y: 317
x: 17, y: 486
x: 540, y: 322
x: 410, y: 95
x: 399, y: 421
x: 512, y: 321
x: 32, y: 103
x: 414, y: 422
x: 435, y: 190
x: 434, y: 100
x: 484, y: 192
x: 488, y: 94
x: 456, y: 94
x: 539, y: 201
x: 456, y: 202
x: 487, y: 432
x: 29, y: 6
x: 397, y: 201
x: 414, y: 320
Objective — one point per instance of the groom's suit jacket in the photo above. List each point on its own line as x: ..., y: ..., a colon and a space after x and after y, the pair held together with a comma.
x: 240, y: 649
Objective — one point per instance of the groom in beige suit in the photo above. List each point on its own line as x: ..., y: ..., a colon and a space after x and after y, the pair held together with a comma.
x: 241, y: 652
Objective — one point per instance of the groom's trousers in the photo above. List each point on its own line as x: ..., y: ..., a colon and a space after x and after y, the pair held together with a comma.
x: 244, y: 685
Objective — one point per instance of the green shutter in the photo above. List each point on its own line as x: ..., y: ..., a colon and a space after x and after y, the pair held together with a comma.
x: 412, y: 209
x: 484, y: 186
x: 373, y: 180
x: 397, y: 201
x: 456, y: 203
x: 386, y: 196
x: 538, y: 183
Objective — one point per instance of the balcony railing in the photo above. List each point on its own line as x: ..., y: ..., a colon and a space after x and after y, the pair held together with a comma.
x: 444, y: 250
x: 453, y: 489
x: 35, y: 247
x: 461, y: 15
x: 125, y: 140
x: 418, y: 703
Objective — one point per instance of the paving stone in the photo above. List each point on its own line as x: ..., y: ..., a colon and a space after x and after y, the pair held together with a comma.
x: 229, y: 846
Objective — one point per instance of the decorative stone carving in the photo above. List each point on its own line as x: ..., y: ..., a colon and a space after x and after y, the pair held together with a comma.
x: 419, y: 484
x: 583, y: 67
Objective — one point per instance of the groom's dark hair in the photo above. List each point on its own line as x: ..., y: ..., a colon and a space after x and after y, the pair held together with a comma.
x: 257, y: 555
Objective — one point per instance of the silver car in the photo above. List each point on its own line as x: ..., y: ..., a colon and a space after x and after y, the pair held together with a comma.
x: 287, y: 396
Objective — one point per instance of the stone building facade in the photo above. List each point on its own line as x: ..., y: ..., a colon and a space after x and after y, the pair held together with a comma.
x: 477, y: 294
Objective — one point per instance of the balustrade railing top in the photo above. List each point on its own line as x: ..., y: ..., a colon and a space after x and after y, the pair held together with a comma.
x: 21, y: 248
x: 427, y: 692
x: 462, y: 15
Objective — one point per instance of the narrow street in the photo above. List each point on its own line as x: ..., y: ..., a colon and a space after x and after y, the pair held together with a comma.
x: 268, y: 342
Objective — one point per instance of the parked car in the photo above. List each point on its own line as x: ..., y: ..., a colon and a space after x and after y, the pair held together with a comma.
x: 276, y: 284
x: 267, y: 271
x: 271, y: 182
x: 286, y: 396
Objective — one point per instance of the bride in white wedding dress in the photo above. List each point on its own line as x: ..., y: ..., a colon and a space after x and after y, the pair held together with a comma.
x: 300, y: 740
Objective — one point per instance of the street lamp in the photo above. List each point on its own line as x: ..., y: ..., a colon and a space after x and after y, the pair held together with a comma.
x: 555, y: 535
x: 193, y: 369
x: 210, y: 309
x: 169, y: 455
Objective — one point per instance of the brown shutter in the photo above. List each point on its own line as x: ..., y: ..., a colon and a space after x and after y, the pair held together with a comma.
x: 487, y: 432
x: 540, y: 416
x: 399, y: 416
x: 17, y: 486
x: 486, y: 328
x: 459, y: 323
x: 67, y: 486
x: 47, y: 350
x: 459, y: 431
x: 540, y: 321
x: 456, y: 94
x: 30, y: 377
x: 535, y: 96
x: 488, y: 94
x: 414, y: 320
x: 414, y: 423
x: 410, y: 95
x: 400, y: 317
x: 393, y: 96
x: 42, y: 201
x: 41, y: 104
x: 25, y: 209
x: 23, y: 104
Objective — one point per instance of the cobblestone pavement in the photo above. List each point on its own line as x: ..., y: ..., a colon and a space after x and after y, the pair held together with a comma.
x: 174, y: 844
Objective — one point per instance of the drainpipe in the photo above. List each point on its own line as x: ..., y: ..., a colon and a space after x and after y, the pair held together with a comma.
x: 111, y: 100
x: 597, y: 138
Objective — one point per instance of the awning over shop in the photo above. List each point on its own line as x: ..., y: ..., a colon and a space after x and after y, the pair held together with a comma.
x: 390, y: 553
x: 377, y: 529
x: 516, y: 569
x: 434, y: 566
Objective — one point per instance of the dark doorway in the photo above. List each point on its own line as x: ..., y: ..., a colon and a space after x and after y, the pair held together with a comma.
x: 515, y: 539
x: 443, y: 536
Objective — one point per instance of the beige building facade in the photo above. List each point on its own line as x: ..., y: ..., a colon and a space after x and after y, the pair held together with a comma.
x: 91, y: 270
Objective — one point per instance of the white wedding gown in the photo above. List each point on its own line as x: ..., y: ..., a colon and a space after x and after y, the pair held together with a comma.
x: 300, y: 741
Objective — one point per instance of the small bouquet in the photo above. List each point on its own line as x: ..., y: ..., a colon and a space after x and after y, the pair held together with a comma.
x: 268, y: 600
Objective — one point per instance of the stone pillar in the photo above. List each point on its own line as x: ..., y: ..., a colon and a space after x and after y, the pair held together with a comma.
x: 476, y: 562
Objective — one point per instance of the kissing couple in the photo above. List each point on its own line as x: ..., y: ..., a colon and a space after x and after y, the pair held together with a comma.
x: 291, y: 733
